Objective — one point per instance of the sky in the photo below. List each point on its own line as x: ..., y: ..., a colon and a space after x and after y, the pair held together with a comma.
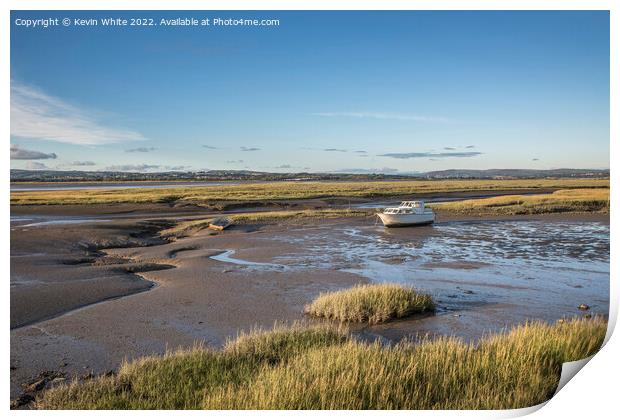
x: 352, y: 91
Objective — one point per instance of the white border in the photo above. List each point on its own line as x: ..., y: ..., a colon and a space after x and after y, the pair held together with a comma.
x: 591, y: 394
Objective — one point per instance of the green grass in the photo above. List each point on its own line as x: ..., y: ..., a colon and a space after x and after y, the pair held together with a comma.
x: 194, y: 226
x: 561, y: 201
x: 320, y: 368
x: 288, y: 190
x: 370, y: 303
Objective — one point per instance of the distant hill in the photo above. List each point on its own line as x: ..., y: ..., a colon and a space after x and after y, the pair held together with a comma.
x: 21, y: 175
x: 518, y: 173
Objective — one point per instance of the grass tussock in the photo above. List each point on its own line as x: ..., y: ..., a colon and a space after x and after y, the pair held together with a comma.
x: 320, y: 368
x: 289, y: 191
x: 194, y: 226
x: 370, y: 303
x: 561, y: 201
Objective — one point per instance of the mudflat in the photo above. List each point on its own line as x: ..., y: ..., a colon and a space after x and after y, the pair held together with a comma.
x: 88, y: 294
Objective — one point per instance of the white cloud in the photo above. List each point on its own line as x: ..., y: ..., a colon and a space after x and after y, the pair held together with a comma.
x: 37, y: 115
x: 383, y: 116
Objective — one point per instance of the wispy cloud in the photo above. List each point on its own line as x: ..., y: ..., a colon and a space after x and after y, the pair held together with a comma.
x: 335, y: 150
x: 141, y: 150
x: 37, y: 115
x: 535, y: 159
x: 82, y: 163
x: 132, y: 168
x: 23, y: 154
x: 36, y: 166
x: 449, y: 148
x: 235, y: 161
x: 206, y: 146
x: 382, y: 116
x: 366, y: 171
x: 414, y: 155
x: 249, y: 149
x: 471, y: 146
x: 283, y: 167
x: 361, y: 151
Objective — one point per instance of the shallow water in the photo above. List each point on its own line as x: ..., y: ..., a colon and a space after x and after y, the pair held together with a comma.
x: 226, y: 257
x: 548, y: 267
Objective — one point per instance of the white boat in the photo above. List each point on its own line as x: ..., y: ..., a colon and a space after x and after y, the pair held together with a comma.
x: 409, y: 213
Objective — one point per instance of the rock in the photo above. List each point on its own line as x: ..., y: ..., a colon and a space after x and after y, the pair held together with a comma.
x: 37, y: 385
x: 583, y: 307
x: 468, y: 292
x: 21, y: 401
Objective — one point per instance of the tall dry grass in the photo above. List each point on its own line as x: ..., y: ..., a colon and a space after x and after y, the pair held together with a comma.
x: 320, y: 368
x: 372, y: 303
x: 290, y: 190
x: 561, y: 201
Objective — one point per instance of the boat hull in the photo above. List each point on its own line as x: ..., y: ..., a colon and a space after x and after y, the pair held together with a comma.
x: 403, y: 220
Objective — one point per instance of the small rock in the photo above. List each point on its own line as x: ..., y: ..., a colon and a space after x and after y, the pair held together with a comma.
x: 468, y: 292
x: 21, y: 401
x: 227, y: 271
x: 588, y: 316
x: 583, y: 307
x: 457, y: 315
x: 36, y: 385
x: 13, y: 367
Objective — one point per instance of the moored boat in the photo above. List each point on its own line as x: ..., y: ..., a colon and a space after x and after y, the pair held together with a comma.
x: 408, y: 213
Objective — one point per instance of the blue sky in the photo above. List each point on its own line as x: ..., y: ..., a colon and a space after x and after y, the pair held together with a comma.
x: 323, y: 91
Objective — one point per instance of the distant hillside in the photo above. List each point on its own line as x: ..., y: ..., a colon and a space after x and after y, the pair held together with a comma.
x: 518, y: 173
x: 20, y: 175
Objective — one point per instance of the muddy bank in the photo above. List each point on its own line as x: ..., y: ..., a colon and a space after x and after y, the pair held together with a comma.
x: 57, y: 268
x: 480, y: 272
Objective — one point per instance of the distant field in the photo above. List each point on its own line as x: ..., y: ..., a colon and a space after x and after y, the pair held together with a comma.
x: 291, y: 190
x: 561, y: 201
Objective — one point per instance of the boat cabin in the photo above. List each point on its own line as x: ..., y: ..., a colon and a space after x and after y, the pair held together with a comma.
x: 406, y: 207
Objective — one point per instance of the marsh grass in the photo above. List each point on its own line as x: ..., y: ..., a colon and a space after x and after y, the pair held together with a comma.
x: 318, y: 367
x: 561, y: 201
x: 288, y: 191
x: 178, y: 380
x: 373, y: 303
x: 194, y: 226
